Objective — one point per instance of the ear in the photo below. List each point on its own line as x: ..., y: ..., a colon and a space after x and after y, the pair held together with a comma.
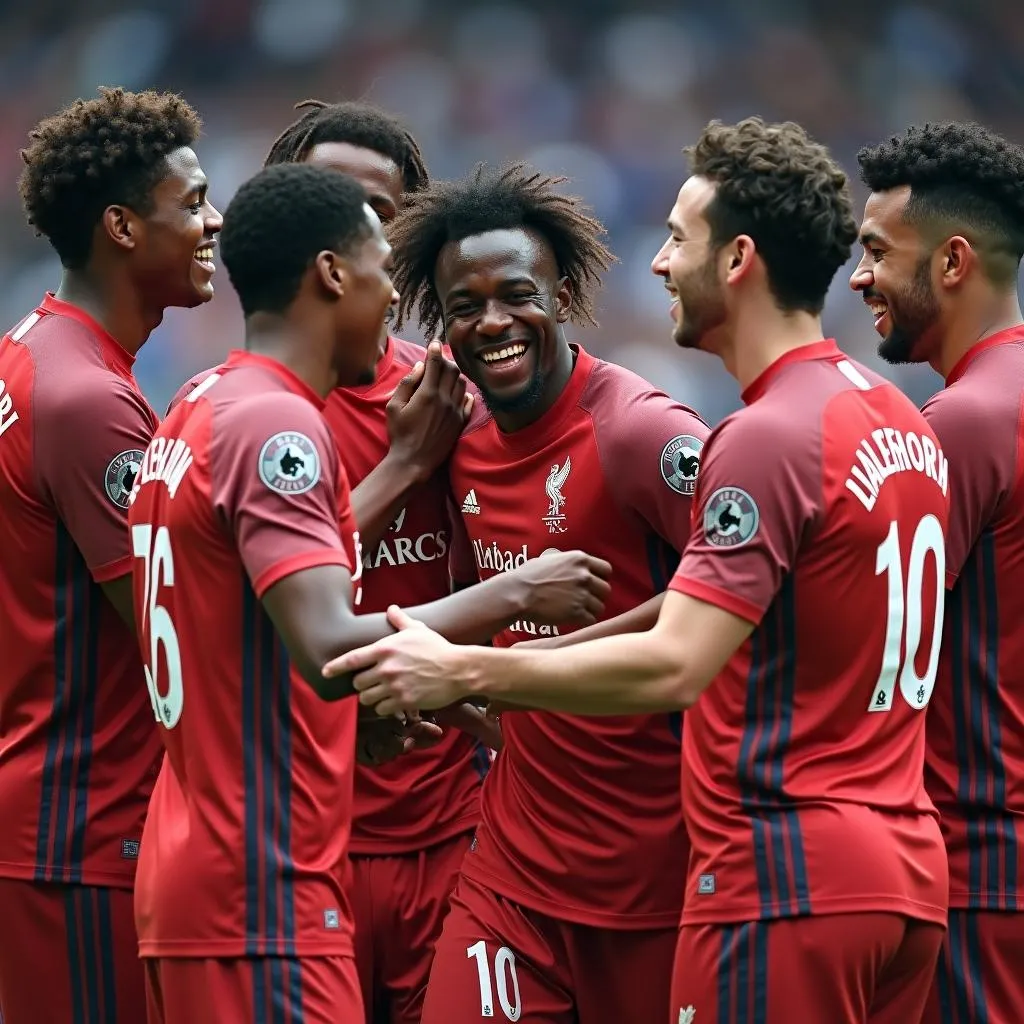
x: 957, y: 260
x: 122, y: 226
x: 737, y: 258
x: 563, y: 300
x: 332, y: 273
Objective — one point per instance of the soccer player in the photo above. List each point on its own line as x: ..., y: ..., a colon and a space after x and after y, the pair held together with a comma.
x: 801, y: 628
x: 414, y: 816
x: 568, y: 904
x: 243, y: 585
x: 943, y: 236
x: 114, y: 185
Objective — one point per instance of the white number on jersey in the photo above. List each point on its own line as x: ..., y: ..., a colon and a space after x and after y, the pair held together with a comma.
x: 504, y: 960
x: 904, y: 617
x: 156, y: 621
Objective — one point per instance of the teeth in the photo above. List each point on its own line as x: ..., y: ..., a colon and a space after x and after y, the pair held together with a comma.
x: 205, y: 254
x: 511, y: 352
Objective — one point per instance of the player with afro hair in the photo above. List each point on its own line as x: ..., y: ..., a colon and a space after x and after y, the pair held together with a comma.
x: 114, y: 185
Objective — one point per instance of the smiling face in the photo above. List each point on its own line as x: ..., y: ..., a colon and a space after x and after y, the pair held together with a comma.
x: 894, y: 278
x: 173, y: 252
x: 687, y: 265
x: 503, y: 303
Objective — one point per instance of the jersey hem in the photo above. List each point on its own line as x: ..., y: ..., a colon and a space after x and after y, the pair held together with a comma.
x: 241, y: 949
x: 718, y: 597
x: 742, y: 912
x: 562, y: 910
x: 382, y: 846
x: 984, y: 900
x: 296, y: 563
x: 66, y: 876
x: 112, y: 570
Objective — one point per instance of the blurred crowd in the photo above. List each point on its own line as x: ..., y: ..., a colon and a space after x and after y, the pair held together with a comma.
x: 604, y: 91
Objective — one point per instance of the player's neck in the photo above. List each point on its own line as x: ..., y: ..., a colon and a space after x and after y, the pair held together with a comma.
x: 962, y: 333
x: 113, y: 304
x: 271, y: 337
x: 759, y: 340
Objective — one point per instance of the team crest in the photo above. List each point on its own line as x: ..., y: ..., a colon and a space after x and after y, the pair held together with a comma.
x: 289, y: 463
x: 119, y: 479
x: 730, y: 517
x: 556, y: 500
x: 680, y: 462
x: 687, y: 1015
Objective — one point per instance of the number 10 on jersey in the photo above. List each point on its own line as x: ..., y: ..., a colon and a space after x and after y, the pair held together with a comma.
x: 155, y: 622
x: 905, y: 613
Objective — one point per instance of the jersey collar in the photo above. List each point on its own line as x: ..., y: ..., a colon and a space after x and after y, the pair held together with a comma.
x: 112, y: 349
x: 240, y: 357
x: 826, y: 349
x: 1015, y: 333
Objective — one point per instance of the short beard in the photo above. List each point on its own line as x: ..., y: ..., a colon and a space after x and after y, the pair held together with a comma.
x: 918, y: 310
x: 701, y: 305
x: 515, y: 405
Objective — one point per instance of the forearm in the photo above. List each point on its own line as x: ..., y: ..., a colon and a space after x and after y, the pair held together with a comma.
x: 380, y: 496
x: 636, y: 620
x: 616, y: 675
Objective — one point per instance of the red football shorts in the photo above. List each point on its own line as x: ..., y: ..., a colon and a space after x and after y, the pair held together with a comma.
x: 980, y: 976
x: 399, y: 904
x: 68, y: 953
x: 497, y: 959
x: 849, y: 968
x: 259, y: 990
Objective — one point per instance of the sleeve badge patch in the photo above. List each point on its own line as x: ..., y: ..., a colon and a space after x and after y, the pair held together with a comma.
x: 120, y: 476
x: 289, y: 463
x: 731, y: 517
x: 680, y: 463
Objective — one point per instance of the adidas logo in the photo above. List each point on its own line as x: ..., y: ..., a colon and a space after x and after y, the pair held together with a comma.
x: 470, y: 504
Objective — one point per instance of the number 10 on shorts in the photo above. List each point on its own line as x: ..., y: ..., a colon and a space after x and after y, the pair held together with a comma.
x: 504, y: 976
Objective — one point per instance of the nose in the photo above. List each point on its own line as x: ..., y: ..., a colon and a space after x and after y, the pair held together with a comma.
x: 659, y: 265
x: 862, y: 277
x: 213, y: 221
x: 494, y: 320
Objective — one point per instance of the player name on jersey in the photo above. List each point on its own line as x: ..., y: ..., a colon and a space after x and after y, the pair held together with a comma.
x: 890, y: 451
x: 8, y: 414
x: 165, y: 460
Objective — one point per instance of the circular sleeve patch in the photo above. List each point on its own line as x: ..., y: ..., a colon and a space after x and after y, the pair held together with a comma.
x: 121, y: 474
x: 289, y: 463
x: 731, y: 517
x: 680, y: 463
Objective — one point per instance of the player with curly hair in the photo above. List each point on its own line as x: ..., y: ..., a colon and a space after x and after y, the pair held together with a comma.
x: 114, y: 185
x: 568, y: 904
x: 800, y: 630
x: 943, y: 236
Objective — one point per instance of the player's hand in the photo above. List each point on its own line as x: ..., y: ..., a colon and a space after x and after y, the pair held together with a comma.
x: 413, y: 669
x: 472, y: 721
x: 427, y: 412
x: 379, y: 740
x: 565, y: 587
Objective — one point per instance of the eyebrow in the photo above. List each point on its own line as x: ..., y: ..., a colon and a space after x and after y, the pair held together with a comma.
x: 198, y: 184
x: 675, y: 227
x: 513, y: 282
x: 867, y: 237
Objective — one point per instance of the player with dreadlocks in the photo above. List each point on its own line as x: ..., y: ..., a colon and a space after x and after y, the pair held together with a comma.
x: 414, y: 816
x: 564, y: 910
x: 114, y: 185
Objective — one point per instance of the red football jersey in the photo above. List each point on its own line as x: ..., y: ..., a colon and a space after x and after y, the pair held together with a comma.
x: 974, y: 764
x: 429, y: 795
x: 78, y: 751
x: 821, y: 517
x: 581, y: 816
x: 244, y: 852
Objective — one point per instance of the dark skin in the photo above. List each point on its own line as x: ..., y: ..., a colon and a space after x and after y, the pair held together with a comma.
x: 429, y: 407
x: 500, y: 289
x: 138, y: 266
x: 311, y: 609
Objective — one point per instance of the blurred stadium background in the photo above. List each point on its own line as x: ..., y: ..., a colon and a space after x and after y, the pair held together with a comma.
x: 605, y: 91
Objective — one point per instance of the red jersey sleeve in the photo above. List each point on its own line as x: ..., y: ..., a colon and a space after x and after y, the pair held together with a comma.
x: 651, y: 451
x: 187, y: 388
x: 279, y: 487
x: 88, y: 449
x: 760, y: 492
x: 982, y: 462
